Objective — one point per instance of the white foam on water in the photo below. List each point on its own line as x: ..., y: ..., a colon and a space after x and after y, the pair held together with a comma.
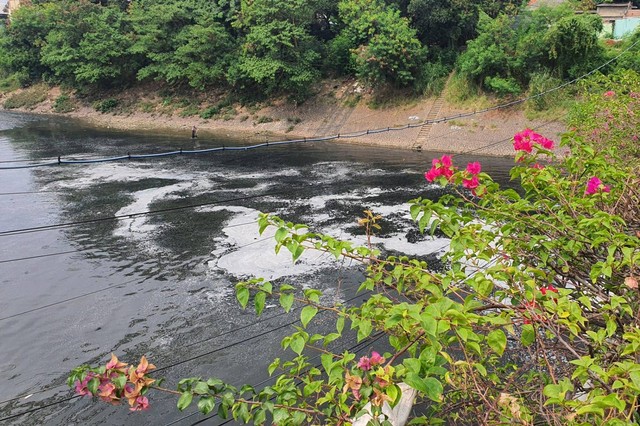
x: 252, y: 254
x: 138, y: 227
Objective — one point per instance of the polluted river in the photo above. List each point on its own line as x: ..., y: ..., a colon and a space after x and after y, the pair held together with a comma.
x: 159, y: 279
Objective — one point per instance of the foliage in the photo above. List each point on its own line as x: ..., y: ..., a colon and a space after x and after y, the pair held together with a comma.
x: 88, y: 45
x: 510, y: 49
x: 106, y: 105
x: 181, y: 41
x: 23, y: 41
x: 278, y: 54
x: 535, y: 321
x: 386, y: 50
x: 63, y: 104
x: 27, y: 98
x: 608, y: 113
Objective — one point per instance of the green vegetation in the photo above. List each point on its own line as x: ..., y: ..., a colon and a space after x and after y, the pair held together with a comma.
x: 64, y: 104
x: 266, y: 48
x: 106, y: 105
x: 27, y: 98
x: 534, y: 321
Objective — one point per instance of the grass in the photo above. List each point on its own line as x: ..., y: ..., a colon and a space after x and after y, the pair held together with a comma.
x: 9, y: 84
x: 461, y: 93
x: 264, y: 119
x: 64, y: 104
x: 105, y: 105
x: 28, y: 98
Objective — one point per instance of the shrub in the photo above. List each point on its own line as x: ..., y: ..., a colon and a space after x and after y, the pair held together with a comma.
x: 64, y: 104
x: 210, y: 112
x: 28, y: 98
x: 106, y: 105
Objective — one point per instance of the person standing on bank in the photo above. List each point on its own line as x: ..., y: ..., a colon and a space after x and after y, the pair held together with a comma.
x: 194, y: 132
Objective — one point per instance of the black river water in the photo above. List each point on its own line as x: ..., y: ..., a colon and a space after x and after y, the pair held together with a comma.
x: 162, y: 285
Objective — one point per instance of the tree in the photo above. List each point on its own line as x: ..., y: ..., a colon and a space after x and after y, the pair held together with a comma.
x: 24, y: 39
x: 182, y: 41
x: 88, y: 45
x: 278, y: 53
x: 385, y: 48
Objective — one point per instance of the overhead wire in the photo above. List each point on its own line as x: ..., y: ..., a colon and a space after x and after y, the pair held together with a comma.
x: 130, y: 215
x: 478, y: 269
x: 359, y: 133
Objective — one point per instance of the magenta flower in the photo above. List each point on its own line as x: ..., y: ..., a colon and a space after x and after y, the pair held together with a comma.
x: 471, y: 183
x: 432, y: 174
x: 82, y: 387
x: 474, y: 168
x: 546, y: 143
x: 364, y: 363
x: 440, y: 167
x: 538, y: 166
x: 525, y: 140
x: 595, y: 185
x: 376, y: 359
x: 141, y: 403
x: 609, y: 93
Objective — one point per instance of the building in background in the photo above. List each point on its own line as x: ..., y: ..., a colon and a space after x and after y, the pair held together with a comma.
x: 619, y: 19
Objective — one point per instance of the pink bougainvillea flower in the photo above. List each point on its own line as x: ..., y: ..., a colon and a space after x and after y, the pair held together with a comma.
x: 354, y: 383
x: 82, y: 386
x: 114, y: 364
x: 432, y: 174
x: 141, y: 403
x: 471, y: 183
x: 376, y: 358
x: 546, y: 143
x: 525, y: 141
x: 144, y: 366
x: 538, y: 166
x: 107, y: 392
x: 474, y: 168
x: 595, y: 185
x: 609, y: 93
x: 364, y: 363
x: 440, y: 167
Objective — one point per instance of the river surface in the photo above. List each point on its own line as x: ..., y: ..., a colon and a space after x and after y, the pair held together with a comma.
x: 162, y: 285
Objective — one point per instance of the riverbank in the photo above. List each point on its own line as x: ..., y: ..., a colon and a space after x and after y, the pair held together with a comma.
x: 340, y: 107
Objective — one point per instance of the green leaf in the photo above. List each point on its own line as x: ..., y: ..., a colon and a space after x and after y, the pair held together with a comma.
x: 297, y: 344
x: 429, y: 386
x: 340, y: 324
x: 185, y: 400
x: 242, y: 294
x: 286, y: 301
x: 275, y: 364
x: 206, y: 404
x: 307, y: 314
x: 497, y: 341
x: 201, y: 388
x: 259, y: 302
x: 281, y: 233
x: 528, y: 335
x: 92, y: 385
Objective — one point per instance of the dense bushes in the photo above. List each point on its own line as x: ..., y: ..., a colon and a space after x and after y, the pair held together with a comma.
x: 274, y: 47
x: 509, y: 50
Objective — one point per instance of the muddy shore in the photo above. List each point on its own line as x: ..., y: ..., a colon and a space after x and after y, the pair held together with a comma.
x: 329, y: 114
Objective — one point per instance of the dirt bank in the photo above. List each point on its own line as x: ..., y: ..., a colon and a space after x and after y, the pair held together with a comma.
x: 340, y: 107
